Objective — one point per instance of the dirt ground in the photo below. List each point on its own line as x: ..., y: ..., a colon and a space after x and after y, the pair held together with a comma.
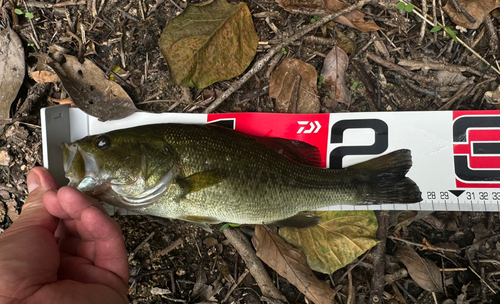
x: 175, y: 262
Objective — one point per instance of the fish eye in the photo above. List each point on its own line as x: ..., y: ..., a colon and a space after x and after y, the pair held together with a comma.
x: 102, y: 142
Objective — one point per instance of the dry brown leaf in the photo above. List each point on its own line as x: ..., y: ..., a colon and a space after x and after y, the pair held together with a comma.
x: 423, y: 271
x: 91, y: 90
x: 333, y: 72
x: 353, y: 19
x: 478, y: 9
x: 44, y: 77
x: 290, y: 263
x: 12, y: 69
x: 283, y: 87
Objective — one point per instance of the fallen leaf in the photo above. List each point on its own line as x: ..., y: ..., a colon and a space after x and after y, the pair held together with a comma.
x: 209, y: 42
x: 4, y: 158
x: 493, y: 97
x: 478, y: 9
x: 423, y: 271
x: 91, y: 90
x: 44, y: 77
x: 341, y: 237
x: 353, y: 19
x: 446, y: 78
x: 12, y: 69
x: 284, y: 83
x: 333, y: 73
x: 290, y: 263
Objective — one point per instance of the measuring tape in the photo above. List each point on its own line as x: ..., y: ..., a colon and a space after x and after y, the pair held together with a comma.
x: 456, y: 154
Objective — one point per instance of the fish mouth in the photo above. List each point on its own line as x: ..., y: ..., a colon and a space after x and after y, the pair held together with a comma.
x: 82, y: 170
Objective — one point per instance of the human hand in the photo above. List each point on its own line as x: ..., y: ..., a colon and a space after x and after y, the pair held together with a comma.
x: 63, y: 248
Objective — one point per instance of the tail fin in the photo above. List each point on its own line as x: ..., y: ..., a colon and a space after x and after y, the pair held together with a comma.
x: 386, y: 181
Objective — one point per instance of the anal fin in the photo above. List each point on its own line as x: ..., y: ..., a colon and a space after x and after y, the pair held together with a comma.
x: 200, y: 221
x: 299, y: 220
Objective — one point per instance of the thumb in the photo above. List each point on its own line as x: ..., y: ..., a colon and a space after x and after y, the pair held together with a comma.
x: 33, y: 214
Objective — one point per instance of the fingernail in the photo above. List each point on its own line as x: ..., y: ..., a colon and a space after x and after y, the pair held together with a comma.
x: 33, y: 181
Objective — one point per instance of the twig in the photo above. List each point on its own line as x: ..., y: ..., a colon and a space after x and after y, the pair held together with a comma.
x: 397, y: 275
x: 440, y: 66
x: 422, y: 27
x: 458, y: 39
x: 401, y: 71
x: 40, y: 4
x: 378, y: 279
x: 482, y: 280
x: 461, y: 92
x: 254, y: 264
x: 434, y: 17
x: 262, y: 62
x: 171, y: 247
x: 412, y: 298
x: 462, y: 11
x: 132, y: 254
x: 421, y: 245
x: 238, y: 282
x: 296, y: 94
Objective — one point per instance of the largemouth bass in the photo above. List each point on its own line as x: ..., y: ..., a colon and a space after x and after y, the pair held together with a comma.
x: 207, y: 174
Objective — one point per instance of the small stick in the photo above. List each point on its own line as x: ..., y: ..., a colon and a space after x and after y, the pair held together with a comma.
x: 421, y: 245
x: 458, y: 39
x: 261, y: 62
x: 434, y: 17
x: 401, y: 71
x: 482, y: 280
x: 378, y: 279
x: 462, y: 11
x: 296, y: 94
x: 171, y: 247
x: 422, y: 27
x: 39, y: 4
x: 132, y: 254
x: 238, y: 282
x: 253, y: 263
x: 458, y: 94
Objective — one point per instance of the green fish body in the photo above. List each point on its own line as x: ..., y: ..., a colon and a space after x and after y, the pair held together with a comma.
x: 209, y: 174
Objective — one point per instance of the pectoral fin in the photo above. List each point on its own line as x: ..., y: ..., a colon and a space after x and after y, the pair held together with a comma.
x: 200, y: 221
x: 300, y: 220
x: 200, y: 180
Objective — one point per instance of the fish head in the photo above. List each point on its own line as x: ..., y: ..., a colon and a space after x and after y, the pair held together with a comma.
x: 128, y: 163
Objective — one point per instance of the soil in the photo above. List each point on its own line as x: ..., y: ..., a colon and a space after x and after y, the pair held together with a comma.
x: 173, y: 261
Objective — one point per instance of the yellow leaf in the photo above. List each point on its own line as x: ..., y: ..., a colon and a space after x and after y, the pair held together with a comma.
x: 209, y: 42
x: 340, y: 238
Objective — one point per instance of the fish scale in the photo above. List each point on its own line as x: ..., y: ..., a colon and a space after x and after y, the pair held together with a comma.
x: 219, y: 175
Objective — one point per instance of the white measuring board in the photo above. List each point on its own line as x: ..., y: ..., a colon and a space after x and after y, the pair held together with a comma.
x: 456, y: 154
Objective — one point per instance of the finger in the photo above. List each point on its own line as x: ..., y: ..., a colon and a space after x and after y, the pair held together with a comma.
x: 34, y: 215
x: 73, y: 202
x: 110, y: 252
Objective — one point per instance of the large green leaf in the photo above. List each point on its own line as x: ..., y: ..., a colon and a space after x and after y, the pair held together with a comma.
x: 209, y: 42
x: 340, y: 238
